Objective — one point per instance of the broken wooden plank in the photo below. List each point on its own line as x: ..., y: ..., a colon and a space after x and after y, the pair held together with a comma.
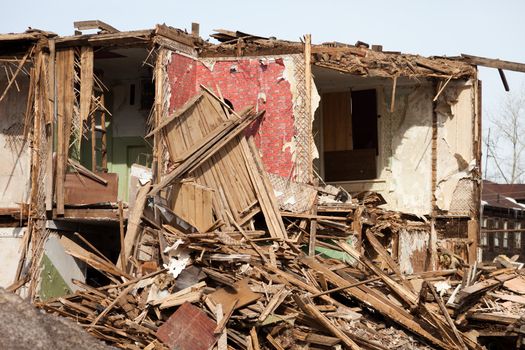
x: 95, y: 24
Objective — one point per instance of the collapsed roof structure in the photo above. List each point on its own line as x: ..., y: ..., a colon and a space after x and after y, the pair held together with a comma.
x: 126, y: 151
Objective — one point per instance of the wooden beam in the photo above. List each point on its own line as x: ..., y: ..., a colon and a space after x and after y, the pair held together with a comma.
x: 503, y: 79
x: 131, y: 37
x: 342, y: 49
x: 86, y: 81
x: 308, y: 102
x: 95, y: 24
x: 51, y: 128
x: 135, y: 218
x: 175, y: 35
x: 494, y: 63
x: 65, y: 101
x: 473, y: 236
x: 90, y: 214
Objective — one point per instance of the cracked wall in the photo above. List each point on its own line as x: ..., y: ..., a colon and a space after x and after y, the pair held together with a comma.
x: 406, y: 149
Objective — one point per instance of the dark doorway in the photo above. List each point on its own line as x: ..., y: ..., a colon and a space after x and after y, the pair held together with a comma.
x: 350, y: 135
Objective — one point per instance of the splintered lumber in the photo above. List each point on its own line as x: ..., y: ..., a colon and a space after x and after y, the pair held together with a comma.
x: 134, y: 220
x: 377, y: 302
x: 445, y: 313
x: 113, y: 303
x: 276, y: 300
x: 264, y: 190
x: 187, y: 106
x: 314, y: 312
x: 18, y: 69
x: 86, y: 81
x: 205, y: 149
x: 121, y: 236
x: 405, y: 294
x: 495, y: 317
x: 205, y: 142
x: 476, y: 289
x: 89, y: 258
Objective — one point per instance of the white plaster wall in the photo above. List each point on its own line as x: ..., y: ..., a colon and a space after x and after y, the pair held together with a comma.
x: 405, y: 141
x: 15, y: 155
x: 455, y: 141
x: 118, y: 74
x: 10, y: 241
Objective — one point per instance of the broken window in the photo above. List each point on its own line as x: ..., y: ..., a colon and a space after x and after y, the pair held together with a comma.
x: 350, y: 135
x: 483, y: 240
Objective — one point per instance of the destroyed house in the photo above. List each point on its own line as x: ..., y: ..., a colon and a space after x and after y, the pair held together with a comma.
x: 360, y: 119
x: 146, y: 172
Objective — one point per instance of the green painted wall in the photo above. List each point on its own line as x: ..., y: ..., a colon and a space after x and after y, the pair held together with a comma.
x: 122, y: 152
x: 51, y: 284
x: 125, y: 151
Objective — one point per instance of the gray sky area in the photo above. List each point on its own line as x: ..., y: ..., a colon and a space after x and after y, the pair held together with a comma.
x: 447, y: 27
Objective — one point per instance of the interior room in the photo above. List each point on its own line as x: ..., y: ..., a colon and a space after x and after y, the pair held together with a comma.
x: 124, y: 86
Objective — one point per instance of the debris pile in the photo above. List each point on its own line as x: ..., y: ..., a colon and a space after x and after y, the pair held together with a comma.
x: 218, y: 254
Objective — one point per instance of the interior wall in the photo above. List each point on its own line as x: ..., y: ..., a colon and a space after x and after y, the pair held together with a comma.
x: 127, y: 124
x: 405, y: 142
x: 272, y: 83
x: 10, y: 248
x: 456, y: 153
x: 15, y: 154
x: 406, y: 137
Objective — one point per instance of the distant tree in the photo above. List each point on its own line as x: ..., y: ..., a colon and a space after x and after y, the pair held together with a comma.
x: 505, y: 140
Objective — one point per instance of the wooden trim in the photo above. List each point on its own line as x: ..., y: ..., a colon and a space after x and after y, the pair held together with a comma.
x: 308, y: 102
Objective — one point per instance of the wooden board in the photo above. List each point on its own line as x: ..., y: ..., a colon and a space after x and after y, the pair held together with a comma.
x: 516, y: 285
x: 193, y: 203
x: 65, y: 101
x: 188, y: 329
x: 80, y: 189
x: 232, y: 170
x: 240, y: 297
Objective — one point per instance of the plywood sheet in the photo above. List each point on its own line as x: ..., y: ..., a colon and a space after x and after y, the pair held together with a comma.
x: 80, y: 189
x: 188, y: 329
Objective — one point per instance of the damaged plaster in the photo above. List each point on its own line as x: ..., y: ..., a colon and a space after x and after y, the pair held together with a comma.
x: 413, y: 246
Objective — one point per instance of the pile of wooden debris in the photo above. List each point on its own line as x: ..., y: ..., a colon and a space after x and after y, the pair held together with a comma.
x: 219, y: 254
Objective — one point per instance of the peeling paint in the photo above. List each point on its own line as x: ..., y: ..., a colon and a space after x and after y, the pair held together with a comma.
x: 413, y: 246
x: 455, y: 151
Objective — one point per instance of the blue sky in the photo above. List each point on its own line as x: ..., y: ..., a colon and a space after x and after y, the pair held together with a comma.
x: 446, y: 27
